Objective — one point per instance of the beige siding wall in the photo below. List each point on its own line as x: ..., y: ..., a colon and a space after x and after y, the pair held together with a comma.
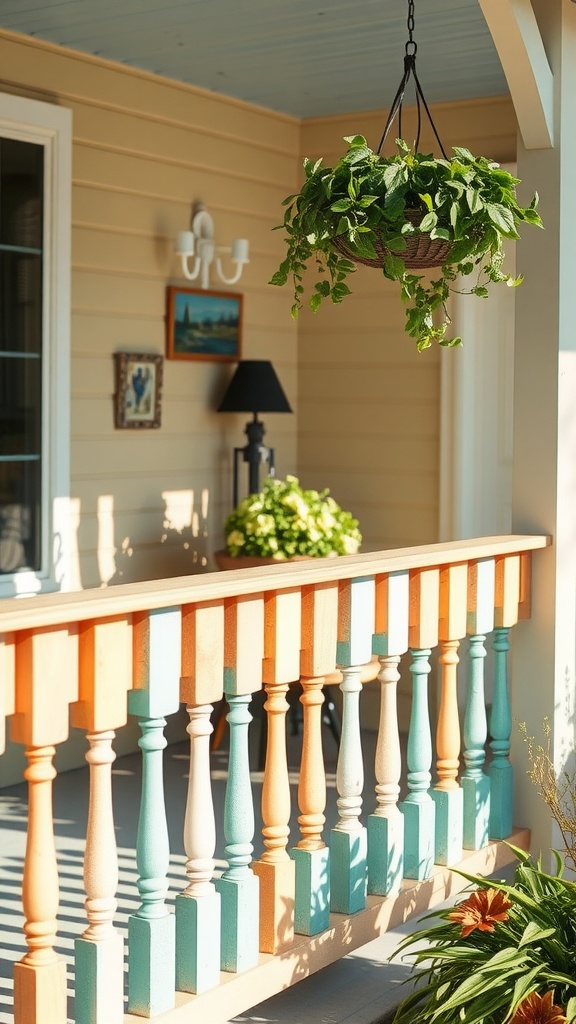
x: 369, y: 403
x: 152, y: 503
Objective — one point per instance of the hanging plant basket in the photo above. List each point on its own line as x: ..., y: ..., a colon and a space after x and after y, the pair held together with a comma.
x: 421, y: 253
x: 400, y: 214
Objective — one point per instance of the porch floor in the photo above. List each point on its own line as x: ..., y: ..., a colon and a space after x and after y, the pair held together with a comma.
x: 359, y: 989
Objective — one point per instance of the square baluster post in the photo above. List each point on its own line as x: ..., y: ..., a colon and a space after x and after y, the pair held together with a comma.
x: 348, y: 843
x: 152, y: 929
x: 386, y: 824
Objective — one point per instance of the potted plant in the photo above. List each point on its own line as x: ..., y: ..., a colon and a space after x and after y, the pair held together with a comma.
x: 404, y: 213
x: 285, y: 521
x: 506, y: 952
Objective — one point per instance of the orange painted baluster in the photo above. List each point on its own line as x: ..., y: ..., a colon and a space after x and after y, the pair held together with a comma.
x: 105, y: 678
x: 275, y: 869
x: 312, y: 856
x: 447, y: 794
x: 46, y: 662
x: 7, y: 684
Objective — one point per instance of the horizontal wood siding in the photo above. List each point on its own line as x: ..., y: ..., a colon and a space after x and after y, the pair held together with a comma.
x: 369, y: 403
x: 144, y: 150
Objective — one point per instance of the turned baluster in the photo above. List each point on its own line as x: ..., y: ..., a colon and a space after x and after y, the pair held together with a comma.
x: 475, y: 783
x: 509, y: 584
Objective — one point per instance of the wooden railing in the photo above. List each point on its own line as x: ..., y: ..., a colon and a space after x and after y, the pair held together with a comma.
x: 90, y: 659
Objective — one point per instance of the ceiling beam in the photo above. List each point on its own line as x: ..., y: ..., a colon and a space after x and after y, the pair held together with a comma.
x: 517, y: 38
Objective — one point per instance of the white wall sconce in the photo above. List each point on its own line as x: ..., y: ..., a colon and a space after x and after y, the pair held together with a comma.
x: 198, y: 246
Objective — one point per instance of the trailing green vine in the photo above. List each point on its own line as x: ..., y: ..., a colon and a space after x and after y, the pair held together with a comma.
x: 367, y: 202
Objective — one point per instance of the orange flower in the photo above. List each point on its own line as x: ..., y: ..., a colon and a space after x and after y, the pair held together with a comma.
x: 537, y: 1009
x: 481, y: 910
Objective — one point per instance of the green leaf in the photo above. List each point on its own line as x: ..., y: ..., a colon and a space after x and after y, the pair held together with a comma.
x: 315, y: 301
x: 341, y: 205
x: 355, y: 140
x: 463, y: 154
x: 533, y: 933
x: 428, y: 222
x: 393, y: 266
x: 427, y: 200
x: 571, y: 1010
x: 502, y: 218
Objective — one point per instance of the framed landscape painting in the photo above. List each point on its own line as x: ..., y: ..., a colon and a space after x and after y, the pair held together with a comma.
x: 203, y: 324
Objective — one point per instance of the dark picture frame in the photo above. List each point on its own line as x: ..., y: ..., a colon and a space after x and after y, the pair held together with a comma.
x: 204, y: 325
x: 138, y: 395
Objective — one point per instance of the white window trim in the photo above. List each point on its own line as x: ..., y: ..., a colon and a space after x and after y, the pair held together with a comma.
x: 50, y: 126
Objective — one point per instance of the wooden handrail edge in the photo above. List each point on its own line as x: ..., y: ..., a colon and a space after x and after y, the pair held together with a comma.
x: 77, y: 606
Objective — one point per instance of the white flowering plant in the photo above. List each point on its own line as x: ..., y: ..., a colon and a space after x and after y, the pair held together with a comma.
x: 284, y: 520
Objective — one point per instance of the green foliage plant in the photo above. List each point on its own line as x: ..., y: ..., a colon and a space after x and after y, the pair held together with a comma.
x: 368, y: 202
x: 505, y: 954
x: 285, y: 520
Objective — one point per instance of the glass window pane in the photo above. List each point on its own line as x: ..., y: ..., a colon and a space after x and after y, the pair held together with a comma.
x: 21, y: 188
x: 19, y: 516
x: 20, y: 406
x: 20, y: 302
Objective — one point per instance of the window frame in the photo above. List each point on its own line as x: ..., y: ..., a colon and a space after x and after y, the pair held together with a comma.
x: 50, y: 126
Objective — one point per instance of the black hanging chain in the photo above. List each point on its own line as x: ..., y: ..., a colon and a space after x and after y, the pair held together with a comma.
x: 410, y: 51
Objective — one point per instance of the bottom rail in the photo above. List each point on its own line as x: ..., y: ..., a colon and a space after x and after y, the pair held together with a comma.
x: 345, y: 934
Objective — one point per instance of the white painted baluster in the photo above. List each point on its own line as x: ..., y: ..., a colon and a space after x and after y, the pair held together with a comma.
x: 100, y: 952
x: 386, y: 824
x: 105, y: 678
x: 198, y: 912
x: 152, y: 929
x: 475, y: 783
x: 198, y: 907
x: 418, y: 807
x: 348, y: 845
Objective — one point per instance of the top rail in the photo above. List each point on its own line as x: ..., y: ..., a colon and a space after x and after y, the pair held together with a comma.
x: 51, y: 609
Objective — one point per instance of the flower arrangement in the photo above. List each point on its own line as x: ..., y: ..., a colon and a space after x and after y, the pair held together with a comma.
x: 284, y: 521
x: 367, y: 208
x: 505, y: 954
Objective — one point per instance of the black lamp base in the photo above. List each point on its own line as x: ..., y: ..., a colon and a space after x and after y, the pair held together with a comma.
x: 254, y: 453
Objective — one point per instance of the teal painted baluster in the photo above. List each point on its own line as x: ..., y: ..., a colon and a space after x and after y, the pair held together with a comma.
x: 475, y: 784
x: 500, y: 771
x: 386, y: 825
x: 348, y: 845
x: 418, y: 807
x: 238, y: 886
x: 151, y: 930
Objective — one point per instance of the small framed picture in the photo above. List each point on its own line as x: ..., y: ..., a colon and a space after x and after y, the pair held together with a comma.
x: 203, y: 325
x: 138, y: 395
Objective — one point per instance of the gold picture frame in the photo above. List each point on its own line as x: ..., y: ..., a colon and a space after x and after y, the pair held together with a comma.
x: 205, y: 325
x: 138, y: 395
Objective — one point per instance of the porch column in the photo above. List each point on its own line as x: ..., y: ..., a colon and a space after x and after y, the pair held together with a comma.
x: 545, y: 427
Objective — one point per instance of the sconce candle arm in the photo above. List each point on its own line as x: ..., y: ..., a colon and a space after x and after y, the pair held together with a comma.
x: 199, y: 243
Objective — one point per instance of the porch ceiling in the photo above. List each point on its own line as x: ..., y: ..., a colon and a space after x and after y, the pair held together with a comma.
x: 303, y: 57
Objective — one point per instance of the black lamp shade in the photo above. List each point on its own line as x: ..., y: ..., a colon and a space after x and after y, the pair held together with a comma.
x: 254, y: 388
